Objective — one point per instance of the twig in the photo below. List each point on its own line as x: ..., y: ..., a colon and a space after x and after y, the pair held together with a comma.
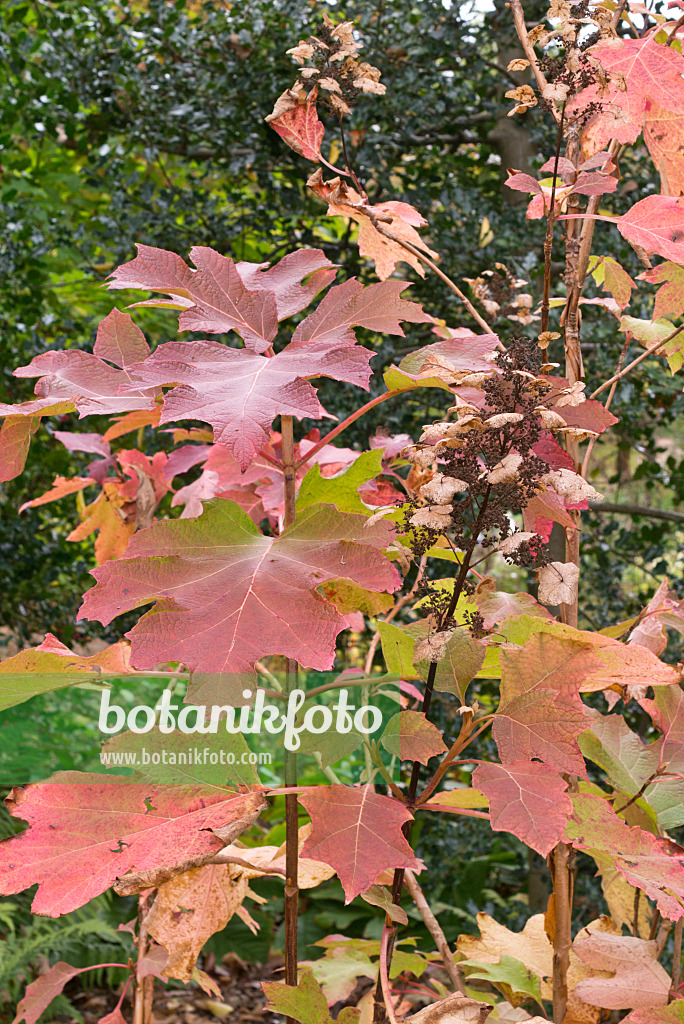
x: 611, y: 395
x: 433, y: 266
x: 550, y: 221
x: 349, y: 420
x: 143, y: 994
x: 639, y: 359
x: 290, y: 763
x: 433, y: 926
x: 636, y: 510
x: 521, y: 29
x: 677, y: 958
x: 465, y: 738
x: 562, y: 889
x: 670, y: 40
x: 385, y: 946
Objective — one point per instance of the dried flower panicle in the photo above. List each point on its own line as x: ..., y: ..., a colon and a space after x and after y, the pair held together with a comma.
x: 484, y: 466
x: 331, y: 60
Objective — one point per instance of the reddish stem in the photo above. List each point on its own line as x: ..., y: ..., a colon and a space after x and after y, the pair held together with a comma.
x: 349, y: 420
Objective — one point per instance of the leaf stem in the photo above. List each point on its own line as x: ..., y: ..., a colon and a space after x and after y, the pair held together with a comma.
x: 349, y: 420
x: 433, y: 926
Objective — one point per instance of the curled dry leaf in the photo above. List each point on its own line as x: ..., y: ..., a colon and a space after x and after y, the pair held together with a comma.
x: 190, y: 908
x: 572, y: 395
x: 558, y: 583
x: 441, y: 489
x: 502, y: 419
x: 455, y: 1009
x: 506, y: 471
x: 435, y: 517
x: 510, y: 544
x: 571, y: 486
x: 549, y: 419
x: 433, y: 648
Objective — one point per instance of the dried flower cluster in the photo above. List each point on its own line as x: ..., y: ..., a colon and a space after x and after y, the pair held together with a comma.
x: 503, y: 294
x: 486, y: 464
x: 333, y: 64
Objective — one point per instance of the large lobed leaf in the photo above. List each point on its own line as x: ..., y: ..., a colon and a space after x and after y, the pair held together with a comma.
x: 88, y: 830
x: 648, y: 862
x: 228, y: 595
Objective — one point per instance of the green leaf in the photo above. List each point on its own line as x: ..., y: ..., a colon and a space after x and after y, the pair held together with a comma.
x: 398, y: 644
x: 510, y: 976
x: 649, y: 332
x: 341, y: 490
x: 379, y: 896
x: 400, y: 380
x: 305, y: 1002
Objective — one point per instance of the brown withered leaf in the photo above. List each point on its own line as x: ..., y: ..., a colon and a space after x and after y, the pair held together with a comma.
x: 190, y: 908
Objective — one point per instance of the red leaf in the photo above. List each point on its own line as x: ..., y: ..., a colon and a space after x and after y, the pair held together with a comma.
x: 119, y: 340
x: 40, y: 993
x: 378, y: 307
x: 87, y: 830
x: 85, y: 379
x: 240, y: 393
x: 115, y: 1017
x: 527, y: 799
x: 664, y: 136
x: 94, y: 444
x: 669, y: 300
x: 656, y: 223
x: 297, y: 123
x: 543, y: 510
x: 526, y: 183
x: 358, y: 833
x: 541, y: 713
x: 594, y: 183
x: 409, y: 736
x: 228, y: 595
x: 648, y: 862
x: 642, y: 68
x: 285, y: 278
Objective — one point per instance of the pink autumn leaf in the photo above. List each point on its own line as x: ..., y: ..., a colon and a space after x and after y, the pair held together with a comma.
x: 87, y: 830
x: 650, y: 863
x: 526, y: 798
x: 41, y: 992
x: 221, y: 295
x: 358, y: 833
x: 523, y: 183
x: 541, y: 714
x: 296, y: 121
x: 240, y: 393
x: 227, y: 595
